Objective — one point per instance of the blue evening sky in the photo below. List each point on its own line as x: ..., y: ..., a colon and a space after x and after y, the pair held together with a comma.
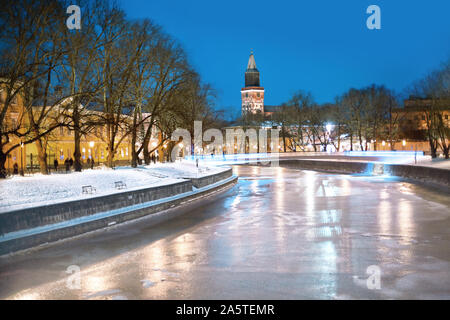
x: 321, y: 46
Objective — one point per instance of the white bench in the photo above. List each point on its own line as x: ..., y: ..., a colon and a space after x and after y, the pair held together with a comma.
x: 88, y: 190
x: 120, y: 185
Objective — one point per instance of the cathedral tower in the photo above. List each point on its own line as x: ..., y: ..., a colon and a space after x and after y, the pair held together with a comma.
x: 252, y: 94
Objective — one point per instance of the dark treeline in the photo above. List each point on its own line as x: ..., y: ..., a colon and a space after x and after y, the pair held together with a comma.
x: 128, y: 77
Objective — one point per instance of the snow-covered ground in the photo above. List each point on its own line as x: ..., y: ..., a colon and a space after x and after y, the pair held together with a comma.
x: 185, y: 169
x: 37, y: 189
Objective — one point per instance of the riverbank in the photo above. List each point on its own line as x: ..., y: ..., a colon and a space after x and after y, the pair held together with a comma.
x: 29, y: 226
x: 439, y: 177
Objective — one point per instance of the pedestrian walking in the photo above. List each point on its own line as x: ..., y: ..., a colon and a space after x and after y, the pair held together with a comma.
x: 15, y: 168
x: 55, y: 165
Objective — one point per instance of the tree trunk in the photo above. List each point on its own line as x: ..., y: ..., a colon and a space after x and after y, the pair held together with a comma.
x: 134, y: 155
x: 360, y: 141
x: 146, y: 153
x: 77, y: 151
x: 145, y: 150
x: 339, y: 138
x: 3, y: 158
x: 42, y: 157
x: 110, y: 157
x: 446, y: 151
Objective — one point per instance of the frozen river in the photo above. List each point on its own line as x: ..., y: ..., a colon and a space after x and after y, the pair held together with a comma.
x: 277, y: 234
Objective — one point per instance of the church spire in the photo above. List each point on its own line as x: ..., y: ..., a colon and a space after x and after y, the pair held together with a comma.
x: 251, y: 62
x: 252, y: 73
x: 252, y: 94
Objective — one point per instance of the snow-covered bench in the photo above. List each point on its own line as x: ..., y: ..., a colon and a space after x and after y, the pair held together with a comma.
x: 120, y: 185
x: 88, y: 190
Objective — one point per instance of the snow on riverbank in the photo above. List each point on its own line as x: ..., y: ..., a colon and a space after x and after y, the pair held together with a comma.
x: 37, y: 189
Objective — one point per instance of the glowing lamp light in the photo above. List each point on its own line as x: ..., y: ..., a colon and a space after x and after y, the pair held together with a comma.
x: 383, y: 143
x: 91, y: 144
x: 404, y: 142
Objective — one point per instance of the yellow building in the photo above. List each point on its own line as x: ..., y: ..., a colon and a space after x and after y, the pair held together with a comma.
x: 59, y: 143
x: 412, y: 124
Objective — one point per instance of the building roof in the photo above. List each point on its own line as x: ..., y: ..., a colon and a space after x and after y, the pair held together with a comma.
x: 252, y: 73
x: 251, y: 63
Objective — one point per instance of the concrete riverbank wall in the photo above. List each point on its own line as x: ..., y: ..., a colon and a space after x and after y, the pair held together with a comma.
x: 210, y: 179
x: 429, y: 175
x: 26, y: 228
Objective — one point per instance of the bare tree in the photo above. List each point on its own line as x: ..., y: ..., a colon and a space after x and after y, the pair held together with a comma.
x: 170, y: 68
x: 30, y: 56
x: 434, y: 91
